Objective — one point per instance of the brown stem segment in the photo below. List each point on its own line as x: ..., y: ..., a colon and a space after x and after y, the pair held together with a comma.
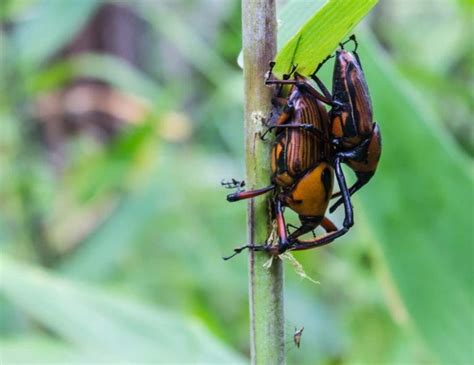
x: 265, y: 285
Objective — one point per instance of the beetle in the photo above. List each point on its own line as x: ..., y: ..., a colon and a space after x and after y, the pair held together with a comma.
x: 302, y: 173
x: 353, y: 131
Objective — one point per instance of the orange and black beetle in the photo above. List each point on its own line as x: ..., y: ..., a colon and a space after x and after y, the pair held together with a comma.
x: 353, y: 131
x: 302, y: 172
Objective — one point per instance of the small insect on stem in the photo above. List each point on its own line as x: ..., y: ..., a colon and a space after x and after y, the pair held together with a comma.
x: 297, y: 336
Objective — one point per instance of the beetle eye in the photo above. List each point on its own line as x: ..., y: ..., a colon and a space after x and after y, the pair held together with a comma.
x: 336, y: 105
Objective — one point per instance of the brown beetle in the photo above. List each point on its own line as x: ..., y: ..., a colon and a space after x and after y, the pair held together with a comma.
x: 353, y: 131
x: 302, y: 174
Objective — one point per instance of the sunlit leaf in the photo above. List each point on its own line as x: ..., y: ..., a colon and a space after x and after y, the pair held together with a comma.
x: 318, y: 37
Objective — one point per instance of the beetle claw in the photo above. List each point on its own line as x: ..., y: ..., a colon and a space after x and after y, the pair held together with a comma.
x: 233, y: 184
x: 249, y: 247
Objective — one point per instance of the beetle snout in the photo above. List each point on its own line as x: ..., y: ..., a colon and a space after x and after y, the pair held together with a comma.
x: 345, y: 56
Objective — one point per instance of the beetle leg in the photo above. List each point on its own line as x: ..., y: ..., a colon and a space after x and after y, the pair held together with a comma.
x: 358, y: 153
x: 250, y: 247
x: 288, y: 226
x: 327, y: 95
x: 276, y: 81
x: 240, y: 195
x: 318, y: 242
x: 362, y: 179
x: 283, y: 242
x: 282, y: 118
x: 307, y: 225
x: 328, y: 225
x: 346, y: 197
x: 308, y: 127
x: 302, y: 85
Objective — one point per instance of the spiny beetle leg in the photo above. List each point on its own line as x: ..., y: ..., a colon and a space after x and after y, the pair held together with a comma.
x: 307, y: 127
x: 318, y: 242
x: 249, y: 247
x: 300, y: 83
x: 241, y: 195
x: 283, y: 243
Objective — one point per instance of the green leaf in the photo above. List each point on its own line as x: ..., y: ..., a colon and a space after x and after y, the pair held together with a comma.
x: 51, y: 25
x: 318, y: 37
x: 10, y: 9
x: 292, y: 16
x: 37, y: 349
x: 110, y: 170
x: 419, y: 206
x: 412, y: 206
x: 108, y: 327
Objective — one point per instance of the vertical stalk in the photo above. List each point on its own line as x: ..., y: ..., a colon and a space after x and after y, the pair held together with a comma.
x: 265, y: 285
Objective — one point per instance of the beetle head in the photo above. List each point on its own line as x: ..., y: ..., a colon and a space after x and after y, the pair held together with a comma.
x: 345, y: 58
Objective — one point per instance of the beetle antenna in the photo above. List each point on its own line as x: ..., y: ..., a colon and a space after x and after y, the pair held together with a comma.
x: 321, y: 64
x: 293, y: 69
x: 354, y: 39
x: 269, y: 73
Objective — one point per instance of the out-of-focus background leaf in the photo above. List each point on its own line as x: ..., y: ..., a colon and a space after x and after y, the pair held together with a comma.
x: 119, y: 123
x: 106, y: 327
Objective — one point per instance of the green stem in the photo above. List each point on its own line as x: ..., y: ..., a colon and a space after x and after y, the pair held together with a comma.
x: 265, y: 285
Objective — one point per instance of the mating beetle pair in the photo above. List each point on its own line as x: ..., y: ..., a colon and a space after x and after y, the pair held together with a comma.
x: 310, y: 146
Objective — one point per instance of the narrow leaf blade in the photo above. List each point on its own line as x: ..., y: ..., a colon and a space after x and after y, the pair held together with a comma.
x: 321, y: 34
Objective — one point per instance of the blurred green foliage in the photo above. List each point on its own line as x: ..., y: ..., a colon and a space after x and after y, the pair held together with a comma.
x: 113, y: 254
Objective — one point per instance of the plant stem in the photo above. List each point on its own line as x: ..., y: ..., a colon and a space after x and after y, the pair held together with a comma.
x: 265, y: 285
